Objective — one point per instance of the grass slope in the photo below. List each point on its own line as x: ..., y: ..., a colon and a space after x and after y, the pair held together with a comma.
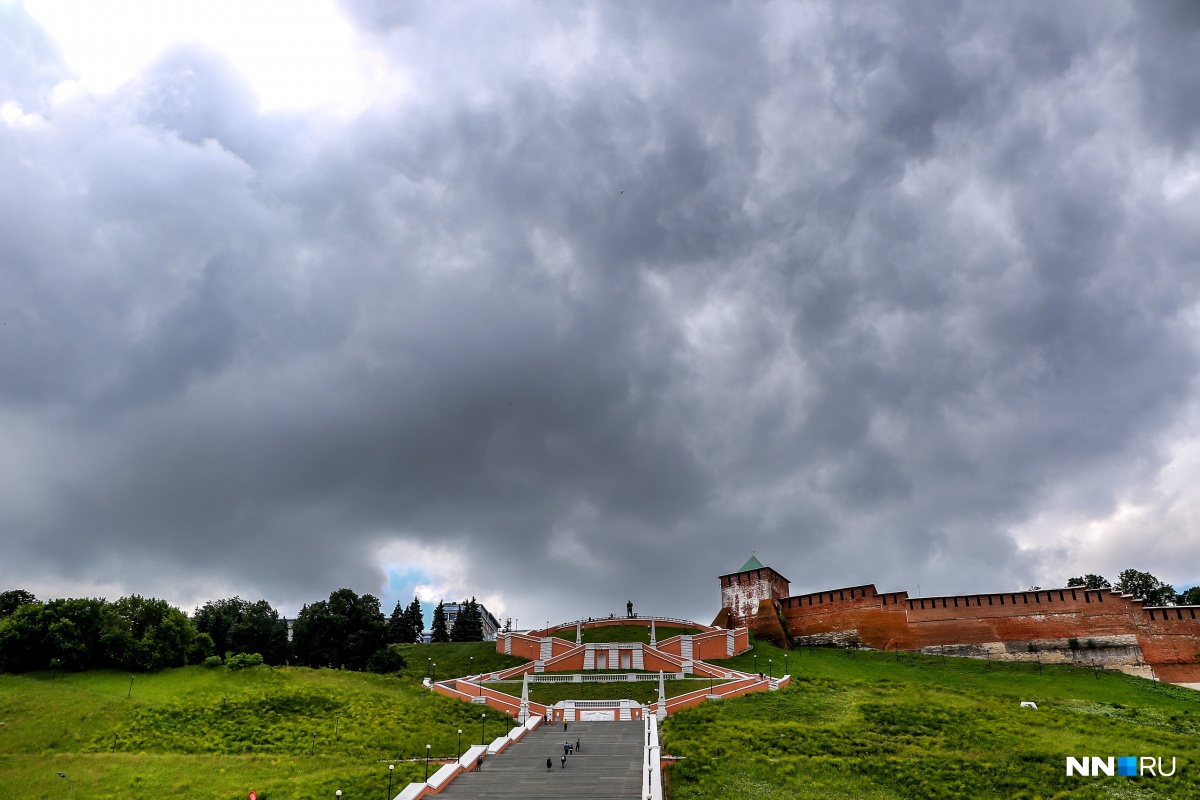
x: 211, y: 733
x: 626, y: 633
x: 641, y: 691
x: 872, y: 726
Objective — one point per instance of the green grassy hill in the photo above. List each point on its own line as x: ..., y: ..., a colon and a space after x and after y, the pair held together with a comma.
x: 863, y: 726
x: 869, y: 725
x: 211, y: 733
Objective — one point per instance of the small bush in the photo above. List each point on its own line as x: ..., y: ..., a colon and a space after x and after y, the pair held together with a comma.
x: 386, y: 660
x: 212, y: 661
x: 243, y: 660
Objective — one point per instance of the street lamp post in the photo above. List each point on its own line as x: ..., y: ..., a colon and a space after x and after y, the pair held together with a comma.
x: 460, y: 742
x: 391, y: 769
x: 756, y: 663
x: 338, y: 793
x: 427, y: 747
x: 434, y: 676
x: 785, y: 672
x: 771, y: 668
x: 482, y: 727
x: 71, y: 788
x: 428, y: 661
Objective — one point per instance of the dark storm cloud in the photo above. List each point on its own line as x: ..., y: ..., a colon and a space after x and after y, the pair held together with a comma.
x: 617, y: 295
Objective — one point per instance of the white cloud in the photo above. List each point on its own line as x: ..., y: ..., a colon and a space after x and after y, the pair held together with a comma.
x: 295, y: 53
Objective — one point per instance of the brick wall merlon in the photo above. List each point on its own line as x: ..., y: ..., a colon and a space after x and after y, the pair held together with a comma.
x: 1047, y: 600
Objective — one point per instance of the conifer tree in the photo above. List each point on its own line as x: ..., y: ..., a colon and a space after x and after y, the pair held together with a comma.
x: 438, y: 632
x: 458, y: 631
x: 416, y: 620
x: 468, y: 625
x: 474, y: 632
x: 398, y: 630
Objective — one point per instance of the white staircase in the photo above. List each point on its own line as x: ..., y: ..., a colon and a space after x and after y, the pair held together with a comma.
x: 547, y: 649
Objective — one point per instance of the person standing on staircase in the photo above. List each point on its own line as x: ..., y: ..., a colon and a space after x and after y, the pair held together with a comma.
x: 549, y: 764
x: 577, y: 746
x: 563, y: 760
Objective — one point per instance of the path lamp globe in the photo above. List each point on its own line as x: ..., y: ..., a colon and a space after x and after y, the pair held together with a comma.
x: 482, y: 727
x: 427, y: 747
x: 338, y: 793
x: 391, y: 769
x: 71, y: 788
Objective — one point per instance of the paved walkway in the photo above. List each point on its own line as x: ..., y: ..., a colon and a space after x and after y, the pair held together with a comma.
x: 607, y: 766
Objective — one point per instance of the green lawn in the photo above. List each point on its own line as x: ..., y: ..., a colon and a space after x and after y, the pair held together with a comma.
x: 212, y: 733
x: 863, y: 726
x: 641, y: 691
x: 871, y: 726
x: 626, y: 633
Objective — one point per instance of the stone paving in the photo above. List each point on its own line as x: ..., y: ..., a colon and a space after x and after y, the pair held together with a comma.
x: 607, y: 766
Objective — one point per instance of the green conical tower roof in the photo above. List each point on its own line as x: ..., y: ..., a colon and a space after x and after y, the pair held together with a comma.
x: 753, y: 563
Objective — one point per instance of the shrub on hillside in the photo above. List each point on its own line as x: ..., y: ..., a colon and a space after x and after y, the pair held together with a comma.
x: 243, y: 660
x: 385, y: 660
x: 212, y: 661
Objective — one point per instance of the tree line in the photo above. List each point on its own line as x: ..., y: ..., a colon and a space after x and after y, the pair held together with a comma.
x: 1141, y: 584
x: 347, y: 630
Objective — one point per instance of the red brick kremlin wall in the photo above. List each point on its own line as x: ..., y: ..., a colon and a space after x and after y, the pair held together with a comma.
x: 1169, y: 638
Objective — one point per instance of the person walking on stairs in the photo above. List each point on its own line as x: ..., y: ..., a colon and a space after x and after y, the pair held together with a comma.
x: 577, y: 746
x: 563, y: 760
x: 549, y: 764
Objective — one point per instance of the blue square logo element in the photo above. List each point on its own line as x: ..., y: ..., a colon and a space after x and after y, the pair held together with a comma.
x: 1127, y: 765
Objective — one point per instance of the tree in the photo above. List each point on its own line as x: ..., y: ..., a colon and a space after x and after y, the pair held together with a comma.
x: 1190, y: 597
x: 146, y: 633
x: 468, y: 623
x: 239, y: 626
x: 1146, y: 586
x: 343, y: 631
x: 1090, y: 581
x: 10, y: 601
x: 437, y: 631
x: 398, y: 629
x: 416, y: 620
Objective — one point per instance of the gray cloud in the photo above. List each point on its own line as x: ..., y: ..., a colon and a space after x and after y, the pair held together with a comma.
x: 620, y: 294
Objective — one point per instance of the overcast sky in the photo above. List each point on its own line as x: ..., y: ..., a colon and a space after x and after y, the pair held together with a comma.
x: 568, y: 304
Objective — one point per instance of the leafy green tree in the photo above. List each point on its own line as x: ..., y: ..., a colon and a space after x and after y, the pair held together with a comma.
x: 437, y: 631
x: 23, y: 644
x: 1090, y: 581
x: 1190, y: 597
x: 1146, y: 586
x: 146, y: 633
x: 240, y: 626
x: 10, y: 601
x: 343, y: 631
